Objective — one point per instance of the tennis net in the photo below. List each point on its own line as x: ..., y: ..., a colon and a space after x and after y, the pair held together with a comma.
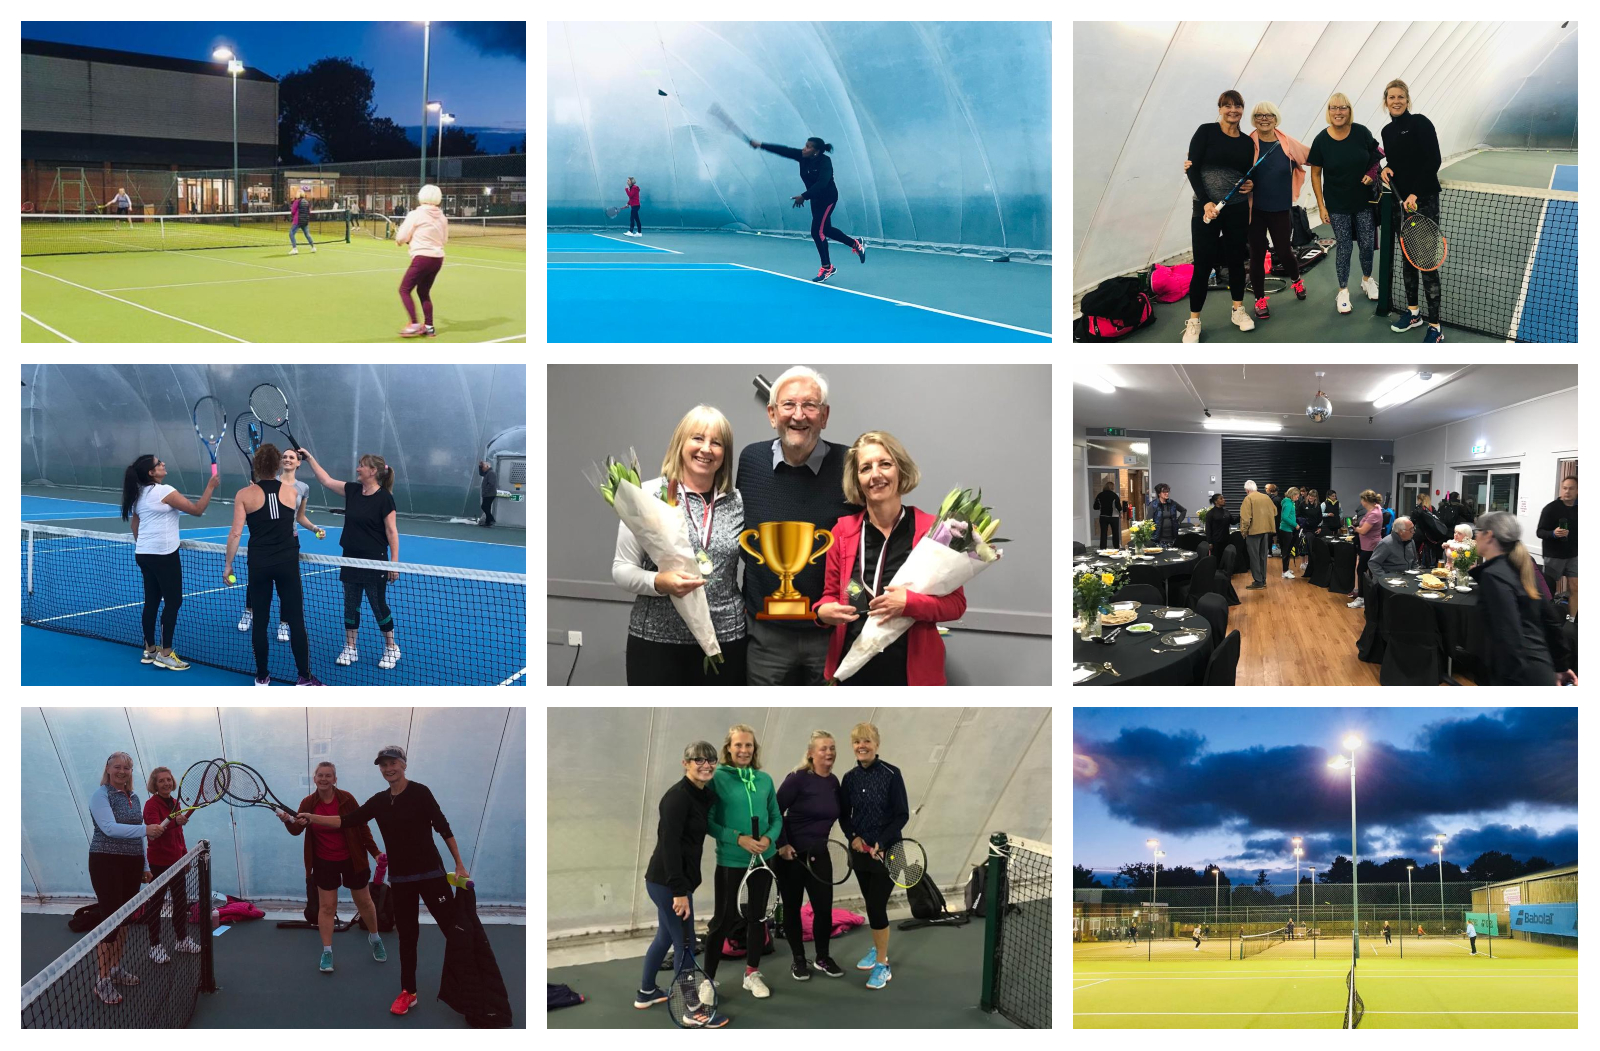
x: 1250, y: 944
x: 1017, y: 978
x: 77, y: 234
x: 1354, y: 1009
x: 500, y: 231
x: 143, y: 967
x: 452, y: 626
x: 1511, y: 267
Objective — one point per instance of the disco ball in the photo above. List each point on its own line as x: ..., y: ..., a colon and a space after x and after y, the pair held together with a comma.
x: 1320, y: 408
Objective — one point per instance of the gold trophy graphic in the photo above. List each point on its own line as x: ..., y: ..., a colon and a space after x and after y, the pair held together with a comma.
x: 786, y: 550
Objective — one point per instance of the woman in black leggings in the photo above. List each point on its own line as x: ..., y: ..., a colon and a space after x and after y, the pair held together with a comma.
x: 816, y: 171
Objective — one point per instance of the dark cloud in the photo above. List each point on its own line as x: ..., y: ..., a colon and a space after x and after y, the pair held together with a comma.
x: 1171, y: 783
x: 494, y: 38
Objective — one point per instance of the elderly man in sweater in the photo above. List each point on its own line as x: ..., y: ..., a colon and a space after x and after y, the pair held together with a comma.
x: 1396, y: 552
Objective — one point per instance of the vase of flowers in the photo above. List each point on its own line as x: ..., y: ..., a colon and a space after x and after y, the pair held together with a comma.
x: 1460, y: 563
x: 1140, y: 535
x: 1091, y: 595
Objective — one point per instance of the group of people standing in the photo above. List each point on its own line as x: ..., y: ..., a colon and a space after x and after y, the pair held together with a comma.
x: 1246, y: 180
x: 1524, y: 643
x: 712, y: 806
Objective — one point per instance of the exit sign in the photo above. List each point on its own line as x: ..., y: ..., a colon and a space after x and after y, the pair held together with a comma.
x: 1116, y: 432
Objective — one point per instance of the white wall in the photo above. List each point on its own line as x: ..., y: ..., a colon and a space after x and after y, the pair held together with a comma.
x: 1531, y: 436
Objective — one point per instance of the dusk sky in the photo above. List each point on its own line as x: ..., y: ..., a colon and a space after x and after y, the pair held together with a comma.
x: 1230, y: 786
x: 478, y: 69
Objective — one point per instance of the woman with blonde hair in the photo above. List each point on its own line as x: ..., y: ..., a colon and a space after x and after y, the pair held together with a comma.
x: 696, y: 476
x: 806, y: 867
x: 1523, y: 640
x: 868, y: 549
x: 742, y: 796
x: 1288, y: 528
x: 874, y: 819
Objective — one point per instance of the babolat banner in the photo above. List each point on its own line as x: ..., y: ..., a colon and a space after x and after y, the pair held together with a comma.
x: 1546, y: 919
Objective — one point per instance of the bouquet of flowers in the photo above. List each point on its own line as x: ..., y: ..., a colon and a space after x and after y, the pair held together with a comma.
x: 958, y: 547
x: 663, y: 533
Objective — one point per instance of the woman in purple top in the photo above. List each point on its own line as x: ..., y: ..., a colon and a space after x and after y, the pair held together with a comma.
x: 1369, y: 530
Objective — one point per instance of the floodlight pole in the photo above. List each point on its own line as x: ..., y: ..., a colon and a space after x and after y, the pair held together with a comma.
x: 423, y: 138
x: 1352, y: 742
x: 1297, y: 852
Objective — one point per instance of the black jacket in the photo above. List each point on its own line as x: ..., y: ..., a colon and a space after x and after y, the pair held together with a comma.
x: 1217, y: 523
x: 1515, y: 629
x: 1108, y: 503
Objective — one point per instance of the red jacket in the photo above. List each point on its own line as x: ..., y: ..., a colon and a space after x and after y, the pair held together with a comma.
x: 924, y: 647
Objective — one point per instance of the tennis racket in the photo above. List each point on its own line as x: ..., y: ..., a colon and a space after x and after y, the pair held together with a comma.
x: 272, y: 409
x: 201, y: 786
x: 829, y: 863
x: 756, y: 897
x: 243, y: 787
x: 692, y: 999
x: 211, y: 424
x: 906, y: 862
x: 613, y: 212
x: 720, y: 115
x: 1424, y: 246
x: 247, y: 436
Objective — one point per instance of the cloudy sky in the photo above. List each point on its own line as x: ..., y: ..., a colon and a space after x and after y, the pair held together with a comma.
x: 1230, y: 786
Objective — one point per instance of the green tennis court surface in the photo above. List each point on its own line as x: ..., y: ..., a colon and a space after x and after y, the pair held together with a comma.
x: 97, y: 278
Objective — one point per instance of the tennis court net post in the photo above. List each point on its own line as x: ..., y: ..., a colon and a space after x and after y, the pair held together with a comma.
x: 161, y: 937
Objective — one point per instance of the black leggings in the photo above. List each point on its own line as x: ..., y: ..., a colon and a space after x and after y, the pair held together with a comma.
x: 285, y: 577
x: 1287, y: 545
x: 163, y: 590
x: 822, y: 229
x: 1110, y: 533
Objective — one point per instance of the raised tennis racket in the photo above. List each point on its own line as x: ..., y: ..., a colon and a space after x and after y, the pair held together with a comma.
x: 243, y: 787
x: 692, y: 999
x: 272, y: 409
x: 906, y: 862
x: 829, y: 863
x: 756, y: 898
x: 720, y: 115
x: 202, y: 785
x: 211, y: 424
x: 247, y: 436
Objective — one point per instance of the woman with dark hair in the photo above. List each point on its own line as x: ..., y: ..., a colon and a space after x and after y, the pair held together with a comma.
x: 816, y: 171
x: 1168, y: 515
x: 1218, y: 522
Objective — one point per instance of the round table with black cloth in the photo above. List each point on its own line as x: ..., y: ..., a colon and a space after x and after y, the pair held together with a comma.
x: 1460, y: 626
x: 1157, y: 571
x: 1241, y: 558
x: 1135, y: 658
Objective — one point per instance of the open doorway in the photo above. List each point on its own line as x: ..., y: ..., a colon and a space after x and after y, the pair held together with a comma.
x: 1132, y: 488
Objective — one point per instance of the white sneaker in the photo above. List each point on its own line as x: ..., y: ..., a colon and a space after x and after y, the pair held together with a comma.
x: 1288, y: 575
x: 1357, y: 604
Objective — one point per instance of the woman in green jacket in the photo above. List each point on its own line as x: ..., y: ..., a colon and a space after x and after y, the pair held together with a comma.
x: 1288, y: 531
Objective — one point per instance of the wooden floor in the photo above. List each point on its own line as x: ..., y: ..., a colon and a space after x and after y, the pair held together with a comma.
x: 1297, y: 634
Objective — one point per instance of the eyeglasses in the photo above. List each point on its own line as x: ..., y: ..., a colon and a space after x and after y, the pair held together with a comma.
x: 703, y: 762
x: 809, y: 408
